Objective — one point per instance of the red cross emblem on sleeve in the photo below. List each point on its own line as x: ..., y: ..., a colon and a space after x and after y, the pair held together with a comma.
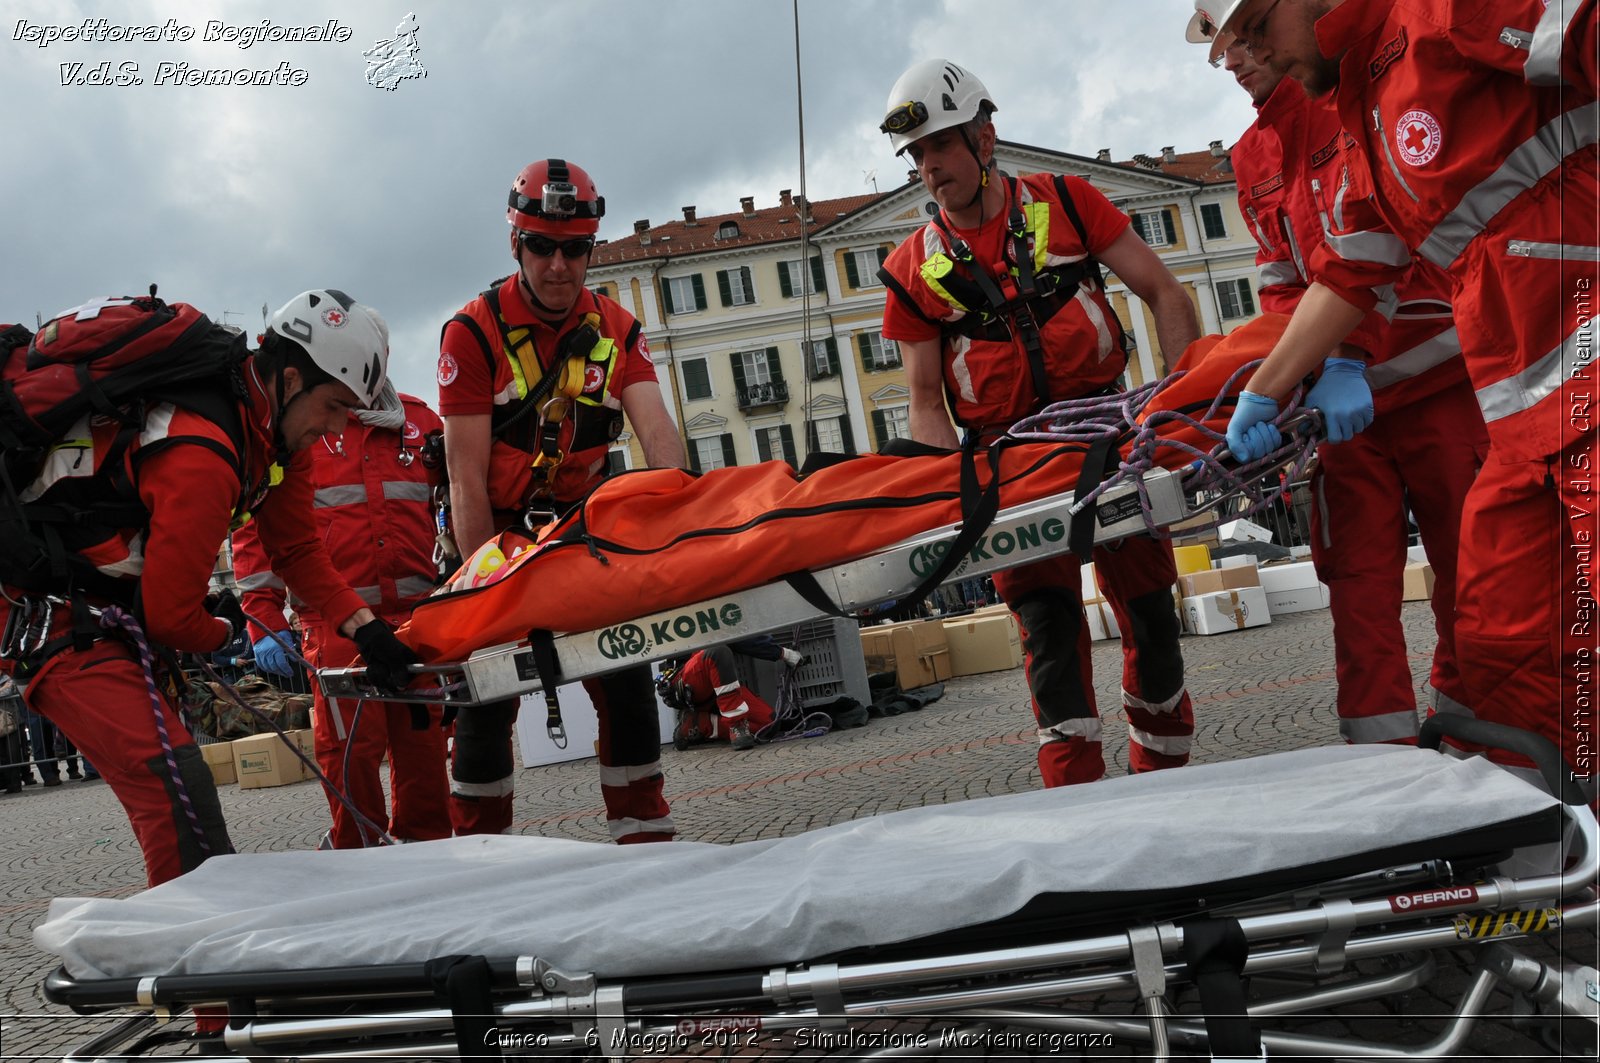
x: 1417, y: 137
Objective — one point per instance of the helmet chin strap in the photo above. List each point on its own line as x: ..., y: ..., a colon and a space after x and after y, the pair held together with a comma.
x: 540, y: 307
x: 983, y: 172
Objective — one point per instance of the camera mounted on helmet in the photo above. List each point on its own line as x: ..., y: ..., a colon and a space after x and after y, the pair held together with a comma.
x: 555, y: 197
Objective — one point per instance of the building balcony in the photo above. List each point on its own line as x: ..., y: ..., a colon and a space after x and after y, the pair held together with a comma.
x: 775, y: 393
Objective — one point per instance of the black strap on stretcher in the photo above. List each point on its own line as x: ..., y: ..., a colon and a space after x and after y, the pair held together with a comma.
x: 1103, y: 459
x: 463, y: 984
x: 1215, y: 951
x: 979, y: 506
x: 542, y: 644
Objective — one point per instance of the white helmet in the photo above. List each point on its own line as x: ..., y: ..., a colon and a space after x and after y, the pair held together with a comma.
x: 931, y: 96
x: 1207, y: 22
x: 345, y: 339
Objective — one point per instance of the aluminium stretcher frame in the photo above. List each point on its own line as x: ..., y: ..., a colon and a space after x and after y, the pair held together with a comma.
x: 1018, y: 535
x: 1360, y: 923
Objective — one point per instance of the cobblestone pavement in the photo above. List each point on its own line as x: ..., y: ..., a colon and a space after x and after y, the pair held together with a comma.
x: 1255, y: 692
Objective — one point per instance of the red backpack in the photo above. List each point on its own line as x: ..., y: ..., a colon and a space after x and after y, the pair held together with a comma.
x: 108, y: 361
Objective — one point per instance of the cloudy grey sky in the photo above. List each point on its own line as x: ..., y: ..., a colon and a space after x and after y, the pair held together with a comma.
x: 231, y: 197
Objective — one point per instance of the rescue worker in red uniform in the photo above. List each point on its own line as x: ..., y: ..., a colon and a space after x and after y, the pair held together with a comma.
x: 1472, y: 146
x: 1426, y: 441
x: 372, y: 494
x: 535, y: 378
x: 998, y: 306
x: 323, y: 355
x: 713, y: 703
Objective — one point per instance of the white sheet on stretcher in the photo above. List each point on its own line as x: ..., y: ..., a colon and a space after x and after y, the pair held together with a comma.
x: 685, y: 907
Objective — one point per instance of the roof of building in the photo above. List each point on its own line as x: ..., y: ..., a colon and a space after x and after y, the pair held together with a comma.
x: 764, y: 225
x: 767, y: 225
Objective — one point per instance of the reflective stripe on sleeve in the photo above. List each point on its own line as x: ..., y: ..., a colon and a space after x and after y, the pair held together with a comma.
x: 1382, y: 248
x: 1537, y: 382
x: 1525, y: 167
x: 1544, y: 51
x: 1418, y: 360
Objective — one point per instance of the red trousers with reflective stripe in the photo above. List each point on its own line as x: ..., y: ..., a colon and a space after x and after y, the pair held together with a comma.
x: 1136, y: 576
x: 100, y: 701
x: 1424, y: 456
x: 416, y: 758
x: 702, y: 675
x: 1526, y: 634
x: 631, y: 783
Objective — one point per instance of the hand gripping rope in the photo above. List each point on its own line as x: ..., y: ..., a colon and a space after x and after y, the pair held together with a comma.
x: 1107, y: 419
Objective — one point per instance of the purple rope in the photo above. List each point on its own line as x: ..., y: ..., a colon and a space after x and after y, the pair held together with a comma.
x: 112, y: 617
x: 1090, y: 420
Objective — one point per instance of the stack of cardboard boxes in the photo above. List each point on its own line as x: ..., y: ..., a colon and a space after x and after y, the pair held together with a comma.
x: 1216, y: 600
x: 918, y: 652
x: 259, y: 760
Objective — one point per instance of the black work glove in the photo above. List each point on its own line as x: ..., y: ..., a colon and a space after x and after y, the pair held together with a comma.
x: 225, y: 606
x: 388, y: 659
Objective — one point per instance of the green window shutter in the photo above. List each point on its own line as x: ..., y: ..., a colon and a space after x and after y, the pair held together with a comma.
x: 699, y: 292
x: 694, y: 457
x: 763, y: 448
x: 1138, y: 227
x: 833, y: 356
x: 883, y: 255
x: 774, y: 366
x: 749, y: 285
x: 785, y: 285
x: 1246, y: 301
x: 864, y: 345
x: 880, y: 428
x: 727, y: 451
x: 1166, y: 222
x: 851, y: 274
x: 696, y: 379
x: 819, y: 283
x: 666, y: 296
x: 723, y: 288
x: 811, y: 437
x: 786, y: 434
x: 738, y: 373
x: 844, y: 431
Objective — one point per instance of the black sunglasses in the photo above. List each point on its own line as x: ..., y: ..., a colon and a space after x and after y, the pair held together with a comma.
x: 544, y: 247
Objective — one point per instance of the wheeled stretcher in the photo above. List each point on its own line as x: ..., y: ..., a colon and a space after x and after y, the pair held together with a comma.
x: 1007, y: 921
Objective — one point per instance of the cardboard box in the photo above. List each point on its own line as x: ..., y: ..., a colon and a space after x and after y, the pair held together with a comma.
x: 983, y: 644
x: 219, y: 758
x: 1243, y: 531
x: 1090, y: 583
x: 1296, y: 575
x: 1418, y: 583
x: 918, y: 653
x: 1235, y: 561
x: 1213, y: 614
x: 1297, y: 600
x: 265, y: 760
x: 1191, y: 558
x: 1218, y: 579
x: 1102, y: 621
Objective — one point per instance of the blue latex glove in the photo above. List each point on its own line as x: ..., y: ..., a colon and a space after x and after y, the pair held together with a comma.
x: 1251, y: 433
x: 1343, y: 397
x: 271, y: 657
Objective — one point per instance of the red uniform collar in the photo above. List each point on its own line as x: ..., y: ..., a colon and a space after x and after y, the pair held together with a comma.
x: 1341, y: 28
x: 514, y: 306
x: 1287, y: 99
x: 259, y: 412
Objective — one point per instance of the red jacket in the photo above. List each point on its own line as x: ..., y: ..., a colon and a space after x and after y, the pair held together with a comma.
x: 373, y: 511
x: 191, y: 490
x: 988, y: 380
x: 475, y: 381
x: 1473, y: 126
x: 1289, y: 166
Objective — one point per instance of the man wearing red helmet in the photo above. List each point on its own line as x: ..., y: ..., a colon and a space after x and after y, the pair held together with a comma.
x: 536, y: 376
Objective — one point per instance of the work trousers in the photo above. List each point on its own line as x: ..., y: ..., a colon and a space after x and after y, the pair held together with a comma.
x: 630, y: 761
x: 1136, y: 576
x: 350, y: 750
x: 711, y: 678
x: 1422, y: 456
